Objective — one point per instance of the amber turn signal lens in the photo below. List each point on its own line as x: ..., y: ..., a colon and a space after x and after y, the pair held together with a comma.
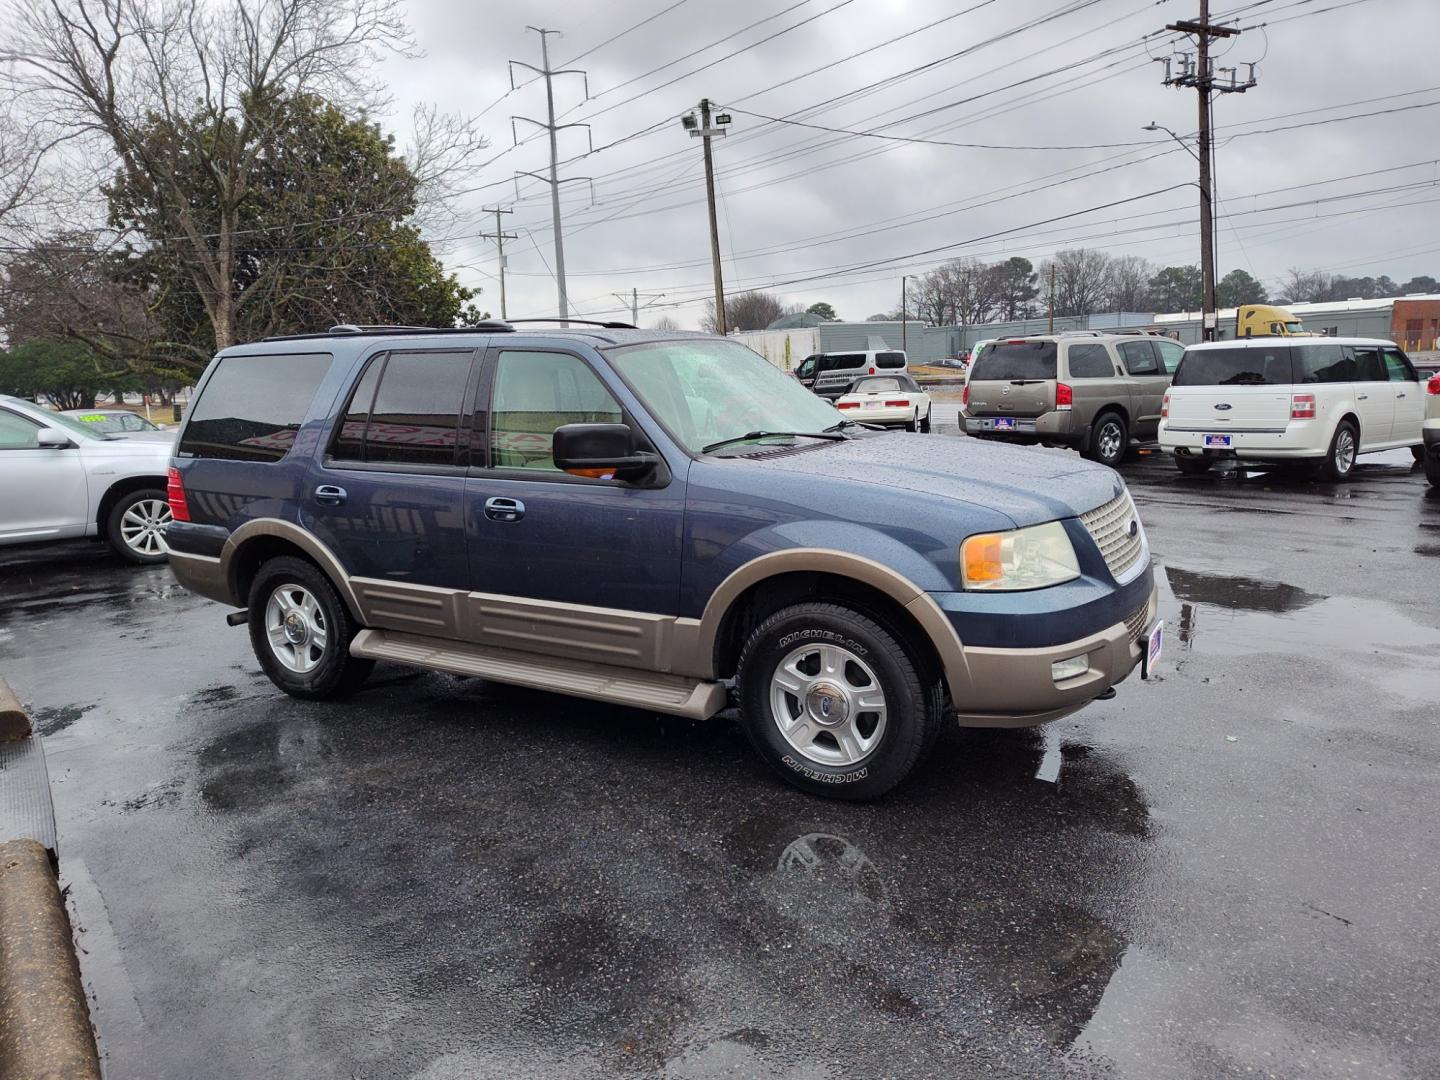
x: 982, y: 558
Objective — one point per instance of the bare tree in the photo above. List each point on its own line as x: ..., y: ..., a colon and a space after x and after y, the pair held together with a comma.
x: 1082, y: 280
x: 172, y: 87
x: 1129, y: 284
x: 665, y: 322
x: 744, y: 311
x: 1302, y: 286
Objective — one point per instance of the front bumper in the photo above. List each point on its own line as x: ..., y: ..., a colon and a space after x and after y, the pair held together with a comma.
x: 1002, y: 687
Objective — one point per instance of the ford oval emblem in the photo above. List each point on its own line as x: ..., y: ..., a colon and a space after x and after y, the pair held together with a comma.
x: 824, y: 706
x: 1134, y: 527
x: 1222, y: 407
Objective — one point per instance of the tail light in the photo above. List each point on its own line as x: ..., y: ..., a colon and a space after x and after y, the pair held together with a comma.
x: 1064, y: 396
x: 1165, y: 406
x: 872, y: 371
x: 175, y: 493
x: 965, y: 394
x: 1433, y: 386
x: 848, y: 405
x: 896, y: 404
x: 1302, y: 406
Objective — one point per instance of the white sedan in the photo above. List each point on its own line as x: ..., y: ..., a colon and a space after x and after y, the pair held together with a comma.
x: 890, y: 400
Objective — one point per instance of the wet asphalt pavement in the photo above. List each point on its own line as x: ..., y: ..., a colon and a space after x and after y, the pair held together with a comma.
x: 1231, y: 871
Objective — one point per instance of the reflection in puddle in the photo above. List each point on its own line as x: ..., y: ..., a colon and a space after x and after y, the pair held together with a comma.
x: 1240, y: 593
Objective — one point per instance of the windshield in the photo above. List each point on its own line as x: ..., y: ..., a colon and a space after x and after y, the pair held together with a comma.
x: 99, y: 422
x: 1293, y: 328
x: 1015, y: 360
x: 705, y: 390
x: 1268, y: 365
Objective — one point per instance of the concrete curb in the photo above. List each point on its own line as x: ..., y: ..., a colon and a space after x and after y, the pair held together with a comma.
x: 14, y: 724
x: 45, y: 1031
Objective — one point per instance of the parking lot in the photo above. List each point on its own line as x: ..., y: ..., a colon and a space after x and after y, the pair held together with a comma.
x: 1230, y: 871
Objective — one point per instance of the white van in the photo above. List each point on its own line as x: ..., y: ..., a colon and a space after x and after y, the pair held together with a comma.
x: 1282, y: 399
x: 830, y: 374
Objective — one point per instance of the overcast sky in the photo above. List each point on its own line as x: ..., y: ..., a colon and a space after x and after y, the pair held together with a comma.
x: 799, y: 204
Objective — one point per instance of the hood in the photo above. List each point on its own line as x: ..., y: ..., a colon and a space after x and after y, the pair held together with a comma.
x: 1029, y: 484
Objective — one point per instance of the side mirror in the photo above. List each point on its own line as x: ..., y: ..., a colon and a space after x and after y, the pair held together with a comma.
x: 49, y: 438
x: 600, y: 451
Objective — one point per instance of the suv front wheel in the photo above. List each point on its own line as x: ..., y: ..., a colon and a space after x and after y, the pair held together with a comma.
x: 833, y: 702
x: 301, y: 631
x: 1109, y: 439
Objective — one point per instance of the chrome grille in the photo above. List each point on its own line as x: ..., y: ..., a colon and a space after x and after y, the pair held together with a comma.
x: 1109, y: 527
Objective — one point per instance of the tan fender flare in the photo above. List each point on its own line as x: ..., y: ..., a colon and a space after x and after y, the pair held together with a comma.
x: 695, y: 645
x: 294, y: 534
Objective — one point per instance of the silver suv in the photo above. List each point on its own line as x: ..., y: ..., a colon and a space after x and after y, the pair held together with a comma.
x: 1091, y: 391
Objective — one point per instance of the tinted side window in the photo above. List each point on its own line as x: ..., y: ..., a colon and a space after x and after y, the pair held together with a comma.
x: 252, y: 407
x: 1170, y: 354
x: 1368, y: 366
x: 842, y: 361
x: 416, y: 414
x: 1090, y: 362
x: 889, y: 360
x: 348, y: 442
x: 1016, y: 360
x: 1139, y: 358
x: 1398, y: 368
x: 535, y: 393
x: 17, y: 433
x: 1323, y: 364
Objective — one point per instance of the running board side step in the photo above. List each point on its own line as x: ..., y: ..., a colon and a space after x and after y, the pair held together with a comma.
x: 675, y: 695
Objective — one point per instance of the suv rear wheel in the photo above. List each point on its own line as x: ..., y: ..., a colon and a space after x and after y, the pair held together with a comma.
x: 301, y: 630
x: 1340, y: 458
x: 135, y: 528
x: 833, y: 702
x: 1432, y: 466
x: 1109, y: 439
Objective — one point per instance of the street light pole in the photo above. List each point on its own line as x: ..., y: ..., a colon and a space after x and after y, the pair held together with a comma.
x: 704, y: 129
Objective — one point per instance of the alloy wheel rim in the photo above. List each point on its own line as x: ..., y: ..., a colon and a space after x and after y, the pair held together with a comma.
x: 1345, y: 451
x: 1110, y: 440
x: 142, y: 527
x: 828, y: 705
x: 296, y: 628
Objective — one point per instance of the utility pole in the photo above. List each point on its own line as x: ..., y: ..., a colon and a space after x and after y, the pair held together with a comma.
x: 651, y: 299
x: 1200, y: 74
x: 904, y: 312
x: 1052, y: 297
x: 545, y: 72
x: 499, y: 236
x: 703, y: 129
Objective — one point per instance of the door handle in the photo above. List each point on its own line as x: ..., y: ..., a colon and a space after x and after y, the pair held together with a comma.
x: 1362, y: 397
x: 330, y: 495
x: 1401, y: 394
x: 498, y: 509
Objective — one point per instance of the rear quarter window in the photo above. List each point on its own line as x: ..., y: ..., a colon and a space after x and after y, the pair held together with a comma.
x: 1090, y: 362
x: 1324, y: 364
x: 252, y: 406
x: 890, y: 360
x: 1266, y: 365
x: 1016, y: 360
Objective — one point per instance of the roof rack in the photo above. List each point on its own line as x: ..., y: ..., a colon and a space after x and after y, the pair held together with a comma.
x: 491, y: 326
x: 582, y: 322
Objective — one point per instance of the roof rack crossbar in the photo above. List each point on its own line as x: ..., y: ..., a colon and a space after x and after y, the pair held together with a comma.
x: 610, y: 325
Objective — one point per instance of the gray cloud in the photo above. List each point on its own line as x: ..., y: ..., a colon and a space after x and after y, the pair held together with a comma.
x: 783, y: 185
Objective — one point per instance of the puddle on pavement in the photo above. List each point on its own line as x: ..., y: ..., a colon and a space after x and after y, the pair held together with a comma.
x: 1237, y: 616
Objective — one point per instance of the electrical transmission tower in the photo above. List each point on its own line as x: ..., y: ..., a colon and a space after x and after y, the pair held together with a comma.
x: 548, y: 74
x: 500, y: 236
x: 1199, y: 71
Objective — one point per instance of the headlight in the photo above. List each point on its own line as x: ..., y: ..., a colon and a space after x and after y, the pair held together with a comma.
x: 1024, y: 559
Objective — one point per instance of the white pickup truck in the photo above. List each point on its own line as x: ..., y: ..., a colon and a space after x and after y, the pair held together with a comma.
x: 61, y: 479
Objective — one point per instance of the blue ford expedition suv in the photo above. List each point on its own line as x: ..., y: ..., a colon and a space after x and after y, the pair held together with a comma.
x: 638, y: 517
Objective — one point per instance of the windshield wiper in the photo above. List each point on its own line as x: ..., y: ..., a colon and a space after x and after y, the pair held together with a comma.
x: 749, y: 435
x: 844, y: 424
